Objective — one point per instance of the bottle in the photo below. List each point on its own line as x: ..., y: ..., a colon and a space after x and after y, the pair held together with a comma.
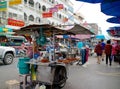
x: 42, y: 86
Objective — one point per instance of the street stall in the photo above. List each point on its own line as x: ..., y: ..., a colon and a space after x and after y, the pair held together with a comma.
x: 48, y: 68
x: 114, y: 33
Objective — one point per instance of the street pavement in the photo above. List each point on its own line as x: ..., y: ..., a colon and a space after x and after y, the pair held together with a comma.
x: 92, y: 76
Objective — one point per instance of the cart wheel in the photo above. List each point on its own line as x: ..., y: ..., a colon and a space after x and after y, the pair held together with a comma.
x: 60, y: 76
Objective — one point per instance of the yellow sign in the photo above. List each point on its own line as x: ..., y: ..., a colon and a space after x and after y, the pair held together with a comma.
x: 14, y: 2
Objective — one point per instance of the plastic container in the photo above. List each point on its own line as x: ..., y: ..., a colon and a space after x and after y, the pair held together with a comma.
x: 42, y: 87
x: 24, y: 68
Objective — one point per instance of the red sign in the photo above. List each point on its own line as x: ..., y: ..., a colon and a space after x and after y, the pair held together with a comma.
x: 47, y: 14
x: 15, y: 22
x: 59, y: 6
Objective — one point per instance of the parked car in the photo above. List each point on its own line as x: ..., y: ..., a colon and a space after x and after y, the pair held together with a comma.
x: 7, y: 54
x: 15, y: 42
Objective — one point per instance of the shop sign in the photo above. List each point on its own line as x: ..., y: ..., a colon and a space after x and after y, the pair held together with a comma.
x: 46, y: 14
x: 3, y: 6
x: 15, y: 22
x: 59, y: 6
x: 14, y: 2
x: 53, y: 9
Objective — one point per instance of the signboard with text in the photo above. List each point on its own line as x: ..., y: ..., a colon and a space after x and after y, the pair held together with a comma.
x: 15, y: 22
x: 14, y: 2
x: 47, y: 14
x: 3, y: 6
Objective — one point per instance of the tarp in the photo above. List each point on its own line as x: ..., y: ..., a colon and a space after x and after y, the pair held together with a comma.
x: 114, y: 31
x: 115, y: 19
x: 91, y: 1
x: 79, y: 29
x: 100, y: 37
x: 81, y: 36
x: 75, y: 37
x: 47, y: 30
x: 111, y: 7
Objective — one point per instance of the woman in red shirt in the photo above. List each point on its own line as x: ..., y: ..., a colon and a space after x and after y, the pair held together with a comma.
x: 108, y: 51
x: 98, y: 51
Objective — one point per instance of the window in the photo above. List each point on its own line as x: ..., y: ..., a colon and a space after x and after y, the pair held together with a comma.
x: 59, y: 16
x: 10, y: 15
x: 43, y: 8
x: 4, y: 14
x: 25, y: 17
x: 15, y: 15
x: 31, y: 18
x: 38, y: 6
x: 31, y: 3
x: 25, y: 1
x: 37, y: 19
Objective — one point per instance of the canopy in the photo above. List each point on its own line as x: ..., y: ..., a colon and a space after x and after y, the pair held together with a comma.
x: 81, y: 36
x: 114, y: 31
x: 63, y: 36
x: 100, y: 37
x: 115, y: 38
x: 114, y: 20
x: 47, y: 30
x: 111, y: 7
x: 91, y: 1
x: 79, y: 29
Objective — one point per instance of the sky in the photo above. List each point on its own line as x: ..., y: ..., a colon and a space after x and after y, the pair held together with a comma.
x: 93, y: 14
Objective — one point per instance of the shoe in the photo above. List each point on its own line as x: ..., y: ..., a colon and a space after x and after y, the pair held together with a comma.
x: 84, y: 65
x: 110, y: 64
x: 98, y: 62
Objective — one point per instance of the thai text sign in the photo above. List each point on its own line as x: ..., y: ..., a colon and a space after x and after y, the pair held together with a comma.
x: 59, y: 6
x: 14, y: 2
x: 15, y: 22
x: 53, y: 9
x: 47, y: 14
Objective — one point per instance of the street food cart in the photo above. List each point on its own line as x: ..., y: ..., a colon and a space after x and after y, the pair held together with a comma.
x: 45, y: 71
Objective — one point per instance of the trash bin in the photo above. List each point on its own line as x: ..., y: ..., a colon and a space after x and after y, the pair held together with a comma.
x: 24, y: 68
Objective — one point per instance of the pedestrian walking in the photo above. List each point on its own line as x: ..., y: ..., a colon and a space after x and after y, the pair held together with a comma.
x: 98, y: 51
x: 108, y: 51
x: 117, y: 56
x: 103, y: 49
x: 114, y: 52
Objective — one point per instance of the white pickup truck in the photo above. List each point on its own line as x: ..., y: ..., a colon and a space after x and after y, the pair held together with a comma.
x: 7, y: 54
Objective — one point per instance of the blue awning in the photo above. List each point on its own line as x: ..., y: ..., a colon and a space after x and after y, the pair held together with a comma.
x: 114, y: 20
x: 111, y: 7
x: 91, y: 1
x: 100, y: 37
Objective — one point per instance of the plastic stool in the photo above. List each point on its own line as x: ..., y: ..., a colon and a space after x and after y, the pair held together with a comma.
x: 24, y: 80
x: 13, y: 84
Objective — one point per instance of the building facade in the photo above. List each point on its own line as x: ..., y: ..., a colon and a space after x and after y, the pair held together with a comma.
x: 31, y: 12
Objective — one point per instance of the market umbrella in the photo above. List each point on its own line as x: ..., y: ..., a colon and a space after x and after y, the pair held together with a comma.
x: 114, y: 20
x: 114, y: 31
x: 91, y: 1
x: 111, y: 7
